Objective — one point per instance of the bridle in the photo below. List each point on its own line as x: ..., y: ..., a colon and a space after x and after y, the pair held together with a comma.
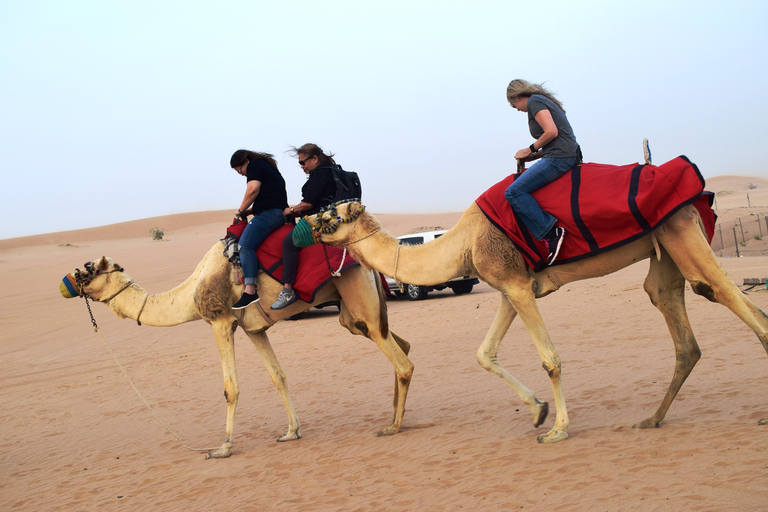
x: 84, y: 277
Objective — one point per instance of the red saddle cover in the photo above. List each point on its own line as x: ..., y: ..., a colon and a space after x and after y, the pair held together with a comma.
x: 313, y: 272
x: 603, y: 207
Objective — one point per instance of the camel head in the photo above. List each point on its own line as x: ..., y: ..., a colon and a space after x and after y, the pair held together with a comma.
x: 94, y: 281
x: 342, y: 223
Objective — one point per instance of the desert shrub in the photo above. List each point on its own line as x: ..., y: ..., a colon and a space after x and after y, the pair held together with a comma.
x: 156, y: 233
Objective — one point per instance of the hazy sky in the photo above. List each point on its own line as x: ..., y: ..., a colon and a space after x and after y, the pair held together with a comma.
x: 114, y: 111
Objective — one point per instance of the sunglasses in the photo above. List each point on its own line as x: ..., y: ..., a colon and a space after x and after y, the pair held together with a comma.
x: 302, y: 162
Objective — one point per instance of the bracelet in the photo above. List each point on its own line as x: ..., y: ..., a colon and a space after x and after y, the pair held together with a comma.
x: 292, y: 209
x: 533, y: 149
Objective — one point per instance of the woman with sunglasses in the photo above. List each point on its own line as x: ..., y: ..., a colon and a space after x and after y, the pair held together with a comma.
x: 557, y: 151
x: 317, y: 192
x: 265, y: 198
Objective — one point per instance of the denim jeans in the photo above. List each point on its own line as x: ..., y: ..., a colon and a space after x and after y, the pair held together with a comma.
x: 257, y: 230
x: 525, y: 206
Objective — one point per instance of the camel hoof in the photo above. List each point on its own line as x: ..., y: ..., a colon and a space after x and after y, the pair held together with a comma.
x: 540, y: 412
x: 221, y: 453
x: 388, y: 432
x: 763, y: 421
x: 290, y: 436
x: 553, y: 436
x: 647, y: 423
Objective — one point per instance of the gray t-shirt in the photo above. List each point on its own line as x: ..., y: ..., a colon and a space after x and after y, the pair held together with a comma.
x: 564, y: 145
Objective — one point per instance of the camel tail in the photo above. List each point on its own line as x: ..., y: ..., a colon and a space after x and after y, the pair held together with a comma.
x: 383, y: 317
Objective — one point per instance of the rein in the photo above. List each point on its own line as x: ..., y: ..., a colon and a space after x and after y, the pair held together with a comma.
x: 84, y: 277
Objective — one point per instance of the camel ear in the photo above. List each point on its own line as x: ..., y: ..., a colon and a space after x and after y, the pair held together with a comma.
x: 355, y: 208
x: 101, y: 264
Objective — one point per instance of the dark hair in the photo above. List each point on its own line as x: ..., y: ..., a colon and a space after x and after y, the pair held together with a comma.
x: 241, y: 155
x: 311, y: 150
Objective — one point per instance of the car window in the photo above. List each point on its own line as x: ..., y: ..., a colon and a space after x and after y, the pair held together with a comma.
x: 412, y: 240
x: 438, y: 235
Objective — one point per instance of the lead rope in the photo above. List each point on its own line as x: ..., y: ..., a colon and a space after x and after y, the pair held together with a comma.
x: 130, y: 381
x: 394, y: 274
x: 336, y: 273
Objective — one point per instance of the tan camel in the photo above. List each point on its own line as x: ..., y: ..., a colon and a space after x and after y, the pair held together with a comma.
x: 678, y: 251
x: 209, y: 293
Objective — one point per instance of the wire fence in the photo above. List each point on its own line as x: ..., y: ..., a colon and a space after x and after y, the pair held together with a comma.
x: 745, y: 236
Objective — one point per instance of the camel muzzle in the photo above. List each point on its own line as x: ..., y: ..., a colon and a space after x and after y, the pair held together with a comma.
x: 68, y: 288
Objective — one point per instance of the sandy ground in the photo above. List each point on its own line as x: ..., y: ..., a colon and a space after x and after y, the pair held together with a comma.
x: 75, y: 435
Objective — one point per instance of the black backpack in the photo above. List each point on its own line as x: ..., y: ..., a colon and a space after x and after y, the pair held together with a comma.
x: 347, y: 184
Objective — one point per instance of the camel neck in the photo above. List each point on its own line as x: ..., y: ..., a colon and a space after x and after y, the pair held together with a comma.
x: 160, y: 310
x: 428, y: 264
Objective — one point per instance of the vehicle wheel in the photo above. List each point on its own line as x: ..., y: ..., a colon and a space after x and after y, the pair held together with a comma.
x: 415, y: 292
x: 462, y: 287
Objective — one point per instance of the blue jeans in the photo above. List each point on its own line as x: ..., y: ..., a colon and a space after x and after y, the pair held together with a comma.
x: 257, y: 230
x: 525, y: 206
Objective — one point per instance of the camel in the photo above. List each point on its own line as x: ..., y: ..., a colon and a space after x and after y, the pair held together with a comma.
x: 209, y: 293
x: 678, y: 251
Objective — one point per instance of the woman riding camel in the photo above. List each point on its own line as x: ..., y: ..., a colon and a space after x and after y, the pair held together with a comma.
x: 317, y: 192
x: 265, y: 198
x: 558, y: 151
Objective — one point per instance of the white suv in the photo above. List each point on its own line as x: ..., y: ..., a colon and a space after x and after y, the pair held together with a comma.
x: 459, y: 285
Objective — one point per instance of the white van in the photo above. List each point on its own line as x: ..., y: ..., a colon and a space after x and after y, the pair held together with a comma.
x: 459, y: 285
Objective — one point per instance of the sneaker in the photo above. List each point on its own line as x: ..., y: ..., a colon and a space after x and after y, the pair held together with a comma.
x: 553, y: 241
x: 246, y: 300
x: 285, y: 299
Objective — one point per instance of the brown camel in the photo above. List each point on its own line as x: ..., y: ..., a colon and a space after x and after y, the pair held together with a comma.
x: 209, y: 293
x: 678, y: 251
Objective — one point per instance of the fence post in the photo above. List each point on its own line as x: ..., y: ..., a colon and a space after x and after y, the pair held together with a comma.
x: 737, y: 242
x: 722, y: 245
x: 742, y: 231
x: 759, y: 225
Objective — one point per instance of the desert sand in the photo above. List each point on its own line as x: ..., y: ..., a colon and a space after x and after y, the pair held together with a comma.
x: 76, y: 436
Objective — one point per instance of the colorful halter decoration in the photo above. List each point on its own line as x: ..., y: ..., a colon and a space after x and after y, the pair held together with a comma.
x: 331, y: 208
x: 73, y: 284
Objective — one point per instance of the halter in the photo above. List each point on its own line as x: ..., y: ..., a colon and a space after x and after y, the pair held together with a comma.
x: 83, y: 278
x: 318, y: 230
x: 332, y: 209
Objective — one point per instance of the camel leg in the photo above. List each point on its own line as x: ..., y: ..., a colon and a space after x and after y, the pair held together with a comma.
x: 361, y: 315
x: 264, y: 348
x: 665, y: 286
x: 406, y: 348
x: 223, y: 330
x: 523, y: 300
x: 487, y: 356
x: 683, y: 239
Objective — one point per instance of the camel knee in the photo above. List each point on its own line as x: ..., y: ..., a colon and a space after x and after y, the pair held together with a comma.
x: 231, y: 394
x: 552, y: 368
x: 488, y: 360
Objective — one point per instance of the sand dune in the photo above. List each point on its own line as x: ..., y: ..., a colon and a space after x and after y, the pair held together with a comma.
x: 77, y: 437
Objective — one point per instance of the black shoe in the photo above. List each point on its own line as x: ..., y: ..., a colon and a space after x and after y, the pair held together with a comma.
x: 246, y: 300
x: 554, y: 240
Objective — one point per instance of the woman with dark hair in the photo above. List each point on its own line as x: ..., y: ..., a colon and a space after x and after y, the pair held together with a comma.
x: 265, y: 198
x: 558, y: 151
x: 317, y: 192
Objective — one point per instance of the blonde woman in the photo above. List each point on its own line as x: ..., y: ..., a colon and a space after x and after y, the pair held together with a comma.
x: 557, y: 152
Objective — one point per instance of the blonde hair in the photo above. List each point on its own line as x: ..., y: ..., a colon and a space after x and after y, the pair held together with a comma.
x: 519, y: 87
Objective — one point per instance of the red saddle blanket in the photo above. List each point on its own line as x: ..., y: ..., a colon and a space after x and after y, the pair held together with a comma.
x: 313, y: 272
x: 603, y: 207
